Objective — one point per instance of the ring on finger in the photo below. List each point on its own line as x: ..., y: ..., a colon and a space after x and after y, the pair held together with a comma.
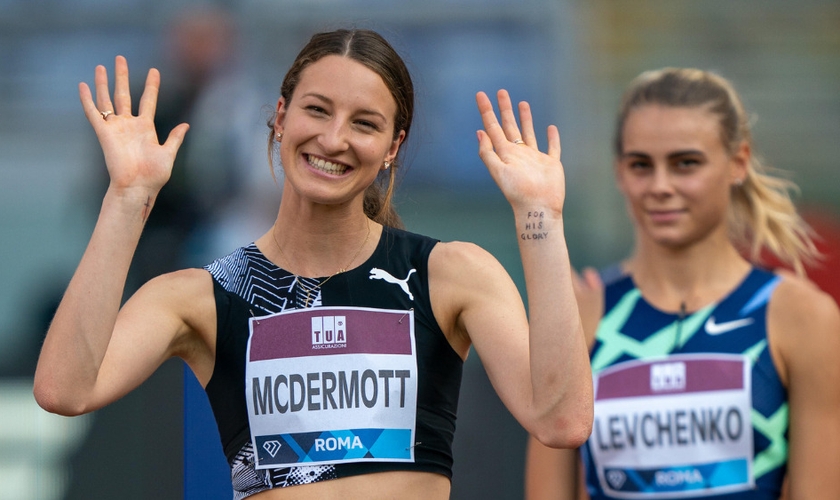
x: 105, y: 114
x: 519, y: 141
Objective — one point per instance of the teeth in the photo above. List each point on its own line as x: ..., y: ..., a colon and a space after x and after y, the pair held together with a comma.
x: 326, y: 166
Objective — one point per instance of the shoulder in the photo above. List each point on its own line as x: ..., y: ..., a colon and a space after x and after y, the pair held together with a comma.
x: 186, y: 294
x: 463, y: 273
x: 803, y: 323
x: 798, y: 301
x: 185, y: 282
x: 463, y: 259
x: 179, y: 309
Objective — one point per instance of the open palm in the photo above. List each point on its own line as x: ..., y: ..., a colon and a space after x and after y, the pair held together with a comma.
x: 133, y: 154
x: 526, y: 176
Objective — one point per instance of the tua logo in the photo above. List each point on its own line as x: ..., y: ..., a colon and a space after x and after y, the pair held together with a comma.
x: 328, y: 330
x: 667, y: 377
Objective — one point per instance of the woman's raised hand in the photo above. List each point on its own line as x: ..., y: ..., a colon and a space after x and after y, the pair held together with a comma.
x: 133, y: 154
x: 526, y: 176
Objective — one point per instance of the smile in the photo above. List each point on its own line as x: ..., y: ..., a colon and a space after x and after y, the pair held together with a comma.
x: 664, y: 215
x: 326, y: 166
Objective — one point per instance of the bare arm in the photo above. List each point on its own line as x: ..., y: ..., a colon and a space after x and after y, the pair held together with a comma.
x: 69, y: 377
x: 804, y: 330
x: 539, y: 366
x: 551, y: 474
x: 557, y: 474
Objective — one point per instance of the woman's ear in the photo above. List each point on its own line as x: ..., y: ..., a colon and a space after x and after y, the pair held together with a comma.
x: 395, y: 147
x: 740, y: 162
x: 279, y: 116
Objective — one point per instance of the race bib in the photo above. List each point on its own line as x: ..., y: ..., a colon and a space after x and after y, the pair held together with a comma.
x: 332, y: 385
x: 674, y: 427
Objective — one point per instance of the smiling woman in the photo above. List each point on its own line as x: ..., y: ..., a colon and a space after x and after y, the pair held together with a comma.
x: 331, y: 348
x: 714, y: 378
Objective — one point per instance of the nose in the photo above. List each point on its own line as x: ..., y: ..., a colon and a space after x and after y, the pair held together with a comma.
x: 334, y: 137
x: 661, y: 183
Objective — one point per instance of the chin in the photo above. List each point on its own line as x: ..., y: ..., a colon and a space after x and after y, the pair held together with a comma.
x: 672, y: 240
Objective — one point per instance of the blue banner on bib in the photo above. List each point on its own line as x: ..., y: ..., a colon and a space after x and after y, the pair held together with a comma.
x: 678, y: 479
x: 335, y: 446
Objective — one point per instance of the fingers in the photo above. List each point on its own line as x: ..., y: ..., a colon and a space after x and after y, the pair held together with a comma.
x: 122, y: 93
x: 122, y: 96
x: 509, y: 130
x: 148, y: 101
x: 527, y: 123
x: 509, y: 125
x: 553, y: 142
x: 176, y: 138
x: 587, y: 279
x: 103, y: 94
x: 592, y: 278
x: 492, y: 128
x: 121, y: 104
x: 86, y: 99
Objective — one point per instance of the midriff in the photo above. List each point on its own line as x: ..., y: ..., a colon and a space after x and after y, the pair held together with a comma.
x: 402, y: 485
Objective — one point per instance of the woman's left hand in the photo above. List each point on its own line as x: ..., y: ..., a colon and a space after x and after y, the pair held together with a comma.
x: 526, y: 176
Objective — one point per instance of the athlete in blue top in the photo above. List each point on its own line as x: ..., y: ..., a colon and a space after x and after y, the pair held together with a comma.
x: 352, y: 348
x: 713, y: 378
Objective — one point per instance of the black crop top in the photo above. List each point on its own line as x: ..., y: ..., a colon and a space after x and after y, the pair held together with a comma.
x: 249, y: 288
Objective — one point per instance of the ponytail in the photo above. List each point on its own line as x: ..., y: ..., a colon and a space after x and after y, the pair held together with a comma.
x: 763, y: 216
x: 378, y: 205
x: 762, y: 213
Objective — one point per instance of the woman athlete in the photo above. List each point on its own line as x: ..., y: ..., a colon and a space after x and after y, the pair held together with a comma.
x: 714, y: 378
x: 331, y: 348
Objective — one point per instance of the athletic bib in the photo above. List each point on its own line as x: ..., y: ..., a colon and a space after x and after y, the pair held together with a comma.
x: 678, y: 426
x: 332, y: 385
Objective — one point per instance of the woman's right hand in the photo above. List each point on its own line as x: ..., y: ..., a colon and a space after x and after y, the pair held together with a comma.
x: 133, y: 154
x: 93, y: 354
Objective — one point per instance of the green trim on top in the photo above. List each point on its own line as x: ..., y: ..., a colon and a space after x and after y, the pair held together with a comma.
x: 774, y: 429
x: 755, y: 351
x: 614, y: 343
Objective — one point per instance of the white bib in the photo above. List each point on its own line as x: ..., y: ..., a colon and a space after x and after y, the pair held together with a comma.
x: 331, y: 385
x: 677, y: 426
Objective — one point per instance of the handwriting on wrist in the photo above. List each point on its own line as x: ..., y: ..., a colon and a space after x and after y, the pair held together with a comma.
x: 534, y: 226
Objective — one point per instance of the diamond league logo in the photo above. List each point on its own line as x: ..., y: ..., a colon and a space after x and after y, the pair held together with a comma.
x: 615, y: 477
x: 272, y: 447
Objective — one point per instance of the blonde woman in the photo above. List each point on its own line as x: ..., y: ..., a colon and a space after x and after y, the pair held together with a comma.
x: 714, y: 378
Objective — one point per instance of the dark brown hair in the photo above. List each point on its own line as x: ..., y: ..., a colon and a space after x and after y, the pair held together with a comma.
x: 371, y: 49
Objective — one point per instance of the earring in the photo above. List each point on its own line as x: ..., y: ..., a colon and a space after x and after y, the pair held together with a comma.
x: 739, y: 182
x: 279, y: 136
x: 387, y: 164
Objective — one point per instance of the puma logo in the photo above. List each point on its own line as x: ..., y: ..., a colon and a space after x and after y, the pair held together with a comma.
x: 381, y: 274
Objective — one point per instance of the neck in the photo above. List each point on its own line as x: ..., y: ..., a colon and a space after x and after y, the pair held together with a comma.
x: 320, y: 240
x: 690, y: 277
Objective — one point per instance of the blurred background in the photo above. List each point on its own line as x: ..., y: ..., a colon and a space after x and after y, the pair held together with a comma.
x: 222, y: 63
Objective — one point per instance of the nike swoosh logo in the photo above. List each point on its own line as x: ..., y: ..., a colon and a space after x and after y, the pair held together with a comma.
x: 713, y: 328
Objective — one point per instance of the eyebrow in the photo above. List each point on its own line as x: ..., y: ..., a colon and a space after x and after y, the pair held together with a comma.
x: 675, y: 154
x: 363, y: 111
